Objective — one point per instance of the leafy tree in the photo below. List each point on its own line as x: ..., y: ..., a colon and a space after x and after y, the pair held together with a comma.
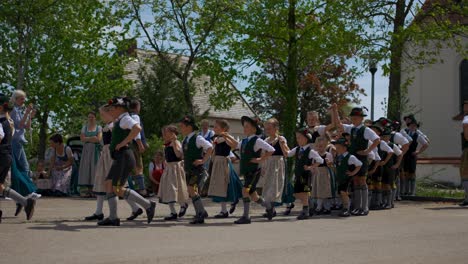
x: 63, y: 54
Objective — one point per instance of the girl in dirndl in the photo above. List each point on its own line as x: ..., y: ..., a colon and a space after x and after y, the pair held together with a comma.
x: 273, y: 170
x: 322, y: 181
x: 61, y: 166
x: 225, y: 185
x: 173, y: 185
x: 103, y: 166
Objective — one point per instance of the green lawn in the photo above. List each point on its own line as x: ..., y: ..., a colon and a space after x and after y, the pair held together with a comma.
x: 426, y: 189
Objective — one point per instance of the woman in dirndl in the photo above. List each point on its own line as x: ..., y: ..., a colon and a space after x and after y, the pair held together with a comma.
x: 322, y: 187
x: 173, y: 185
x: 91, y: 135
x: 273, y: 170
x: 225, y: 185
x: 103, y: 166
x: 61, y: 166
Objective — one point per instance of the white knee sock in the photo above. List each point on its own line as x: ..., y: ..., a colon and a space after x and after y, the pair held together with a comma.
x: 172, y: 208
x: 99, y: 204
x: 224, y: 207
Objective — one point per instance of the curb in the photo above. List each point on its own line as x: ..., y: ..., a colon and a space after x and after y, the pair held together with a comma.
x: 431, y: 199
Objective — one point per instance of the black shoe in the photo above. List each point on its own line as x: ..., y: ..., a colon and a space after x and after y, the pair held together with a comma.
x: 302, y: 216
x: 464, y: 203
x: 199, y: 220
x: 205, y: 214
x: 325, y: 212
x: 19, y: 208
x: 233, y: 207
x: 344, y: 213
x: 135, y: 215
x: 288, y: 209
x: 243, y: 221
x: 183, y: 210
x: 363, y: 213
x: 151, y: 211
x: 222, y: 215
x: 356, y: 211
x: 312, y: 212
x: 270, y: 214
x: 109, y: 222
x: 1, y: 213
x: 94, y: 217
x: 29, y: 208
x: 172, y: 217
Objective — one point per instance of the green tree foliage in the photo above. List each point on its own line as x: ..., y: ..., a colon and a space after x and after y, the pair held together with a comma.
x: 63, y: 54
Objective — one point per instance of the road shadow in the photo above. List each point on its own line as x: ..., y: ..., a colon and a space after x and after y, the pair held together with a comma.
x: 455, y: 207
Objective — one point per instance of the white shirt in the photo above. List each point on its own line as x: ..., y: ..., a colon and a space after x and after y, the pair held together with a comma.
x: 353, y: 160
x: 138, y: 120
x: 208, y: 134
x: 200, y: 141
x: 400, y: 139
x: 374, y: 153
x: 385, y: 147
x: 465, y: 120
x: 260, y: 144
x: 126, y: 121
x: 313, y: 155
x: 421, y: 137
x: 396, y: 150
x: 369, y: 134
x: 328, y: 157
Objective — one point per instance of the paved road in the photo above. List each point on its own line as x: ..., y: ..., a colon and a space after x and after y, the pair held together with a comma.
x: 412, y: 233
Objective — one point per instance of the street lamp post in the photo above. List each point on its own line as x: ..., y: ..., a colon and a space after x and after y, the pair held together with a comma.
x: 373, y: 70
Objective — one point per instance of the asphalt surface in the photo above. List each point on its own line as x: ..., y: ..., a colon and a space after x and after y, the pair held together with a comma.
x: 411, y: 233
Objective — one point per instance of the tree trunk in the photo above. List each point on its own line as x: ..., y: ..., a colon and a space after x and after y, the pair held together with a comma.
x: 187, y: 96
x: 290, y: 111
x: 396, y: 49
x: 43, y: 117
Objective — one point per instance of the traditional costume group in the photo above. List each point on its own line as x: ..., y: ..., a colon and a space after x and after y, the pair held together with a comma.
x: 350, y: 167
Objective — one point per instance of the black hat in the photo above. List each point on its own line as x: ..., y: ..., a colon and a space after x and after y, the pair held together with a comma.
x: 189, y: 120
x: 254, y: 122
x: 119, y: 101
x: 387, y: 131
x: 306, y: 133
x: 358, y: 111
x: 412, y: 120
x: 385, y: 121
x: 341, y: 141
x: 5, y: 102
x: 377, y: 125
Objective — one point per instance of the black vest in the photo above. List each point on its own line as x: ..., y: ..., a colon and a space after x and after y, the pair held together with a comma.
x: 170, y: 155
x: 5, y: 144
x: 222, y: 149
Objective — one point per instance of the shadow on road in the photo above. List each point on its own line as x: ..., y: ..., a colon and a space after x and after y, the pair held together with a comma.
x: 455, y: 207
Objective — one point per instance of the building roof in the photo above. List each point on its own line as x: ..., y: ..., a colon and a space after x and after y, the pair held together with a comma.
x: 201, y: 98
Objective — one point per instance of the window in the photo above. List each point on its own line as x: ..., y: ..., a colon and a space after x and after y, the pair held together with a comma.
x: 463, y: 82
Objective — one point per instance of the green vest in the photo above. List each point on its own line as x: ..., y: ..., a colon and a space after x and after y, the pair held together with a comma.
x: 358, y: 142
x: 302, y: 159
x: 342, y: 167
x: 191, y: 152
x: 247, y: 154
x: 118, y: 135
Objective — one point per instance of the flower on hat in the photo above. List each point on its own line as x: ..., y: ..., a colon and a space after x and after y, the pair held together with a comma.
x: 110, y: 102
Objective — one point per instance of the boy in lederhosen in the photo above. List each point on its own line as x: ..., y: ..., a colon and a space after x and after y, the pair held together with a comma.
x: 6, y: 134
x: 347, y: 166
x: 390, y: 170
x: 124, y: 131
x: 197, y: 150
x: 418, y: 145
x: 251, y: 156
x: 360, y: 136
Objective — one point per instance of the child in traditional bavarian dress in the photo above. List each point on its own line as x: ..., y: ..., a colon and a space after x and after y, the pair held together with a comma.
x: 6, y: 134
x: 385, y: 153
x: 173, y: 185
x: 390, y: 169
x: 418, y: 145
x: 273, y: 169
x: 347, y: 166
x: 464, y: 158
x: 251, y: 149
x: 225, y: 185
x: 359, y: 146
x: 306, y: 161
x: 197, y: 151
x: 124, y: 131
x: 322, y: 185
x: 103, y: 166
